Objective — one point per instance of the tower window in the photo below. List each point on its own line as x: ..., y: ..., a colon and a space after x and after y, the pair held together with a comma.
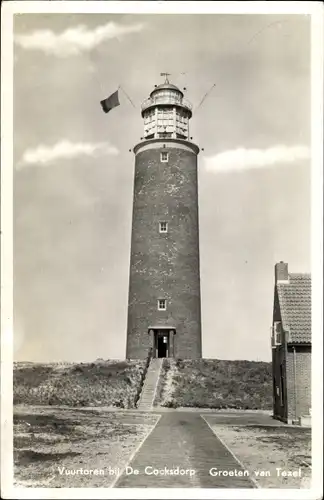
x: 163, y: 227
x: 164, y: 156
x: 161, y: 304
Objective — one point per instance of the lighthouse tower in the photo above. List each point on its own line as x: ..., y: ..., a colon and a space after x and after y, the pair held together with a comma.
x: 164, y: 310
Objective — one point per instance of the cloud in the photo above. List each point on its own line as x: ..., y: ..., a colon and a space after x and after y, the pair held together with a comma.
x: 45, y: 155
x: 74, y: 41
x: 246, y: 159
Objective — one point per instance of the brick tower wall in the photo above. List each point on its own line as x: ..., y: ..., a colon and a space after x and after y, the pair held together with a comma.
x: 165, y: 265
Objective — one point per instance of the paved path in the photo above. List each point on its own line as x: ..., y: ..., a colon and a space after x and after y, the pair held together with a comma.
x: 183, y: 440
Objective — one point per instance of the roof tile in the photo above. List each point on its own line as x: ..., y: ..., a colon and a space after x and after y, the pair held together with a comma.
x: 295, y: 306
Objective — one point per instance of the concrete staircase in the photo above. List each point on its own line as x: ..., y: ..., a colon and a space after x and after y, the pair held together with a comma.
x: 150, y: 384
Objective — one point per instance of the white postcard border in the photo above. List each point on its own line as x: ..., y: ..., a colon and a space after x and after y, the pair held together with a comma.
x: 315, y: 10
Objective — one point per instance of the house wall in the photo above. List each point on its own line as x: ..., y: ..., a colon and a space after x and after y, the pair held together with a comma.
x: 295, y: 360
x: 299, y: 386
x: 280, y: 410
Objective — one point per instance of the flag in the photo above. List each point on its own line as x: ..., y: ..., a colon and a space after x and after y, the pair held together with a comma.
x: 111, y: 102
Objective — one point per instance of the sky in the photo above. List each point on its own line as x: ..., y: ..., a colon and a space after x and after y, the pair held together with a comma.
x: 73, y: 172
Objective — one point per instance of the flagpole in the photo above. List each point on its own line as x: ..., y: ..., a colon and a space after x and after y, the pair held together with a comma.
x: 120, y: 87
x: 214, y: 85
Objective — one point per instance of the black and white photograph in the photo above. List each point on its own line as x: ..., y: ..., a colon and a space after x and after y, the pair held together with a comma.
x: 161, y: 246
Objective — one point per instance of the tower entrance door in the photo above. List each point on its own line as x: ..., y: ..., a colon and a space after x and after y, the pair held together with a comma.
x: 162, y: 341
x: 162, y: 344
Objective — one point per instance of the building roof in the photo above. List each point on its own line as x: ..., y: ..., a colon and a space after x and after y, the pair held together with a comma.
x: 295, y: 307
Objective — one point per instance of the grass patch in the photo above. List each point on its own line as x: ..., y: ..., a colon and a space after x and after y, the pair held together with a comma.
x: 103, y: 383
x: 162, y: 388
x: 219, y: 384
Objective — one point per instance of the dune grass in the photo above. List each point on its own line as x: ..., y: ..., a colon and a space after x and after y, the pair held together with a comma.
x: 103, y: 383
x: 213, y: 383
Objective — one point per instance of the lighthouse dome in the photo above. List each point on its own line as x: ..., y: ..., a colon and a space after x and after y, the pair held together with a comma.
x: 166, y: 86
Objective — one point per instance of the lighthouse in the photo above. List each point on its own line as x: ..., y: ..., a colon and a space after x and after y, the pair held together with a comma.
x: 164, y: 309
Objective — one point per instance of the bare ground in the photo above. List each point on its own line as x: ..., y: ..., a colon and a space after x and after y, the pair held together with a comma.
x: 267, y: 448
x: 46, y: 440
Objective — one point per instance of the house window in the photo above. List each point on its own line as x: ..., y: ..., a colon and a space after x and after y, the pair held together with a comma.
x: 164, y: 156
x: 161, y: 304
x: 163, y: 227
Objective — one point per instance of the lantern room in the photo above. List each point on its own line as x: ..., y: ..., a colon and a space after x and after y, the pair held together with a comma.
x: 166, y: 113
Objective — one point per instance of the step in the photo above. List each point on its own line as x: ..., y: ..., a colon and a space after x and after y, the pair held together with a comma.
x: 150, y: 384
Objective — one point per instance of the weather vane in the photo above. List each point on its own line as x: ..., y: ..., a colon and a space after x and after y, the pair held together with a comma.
x: 166, y: 76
